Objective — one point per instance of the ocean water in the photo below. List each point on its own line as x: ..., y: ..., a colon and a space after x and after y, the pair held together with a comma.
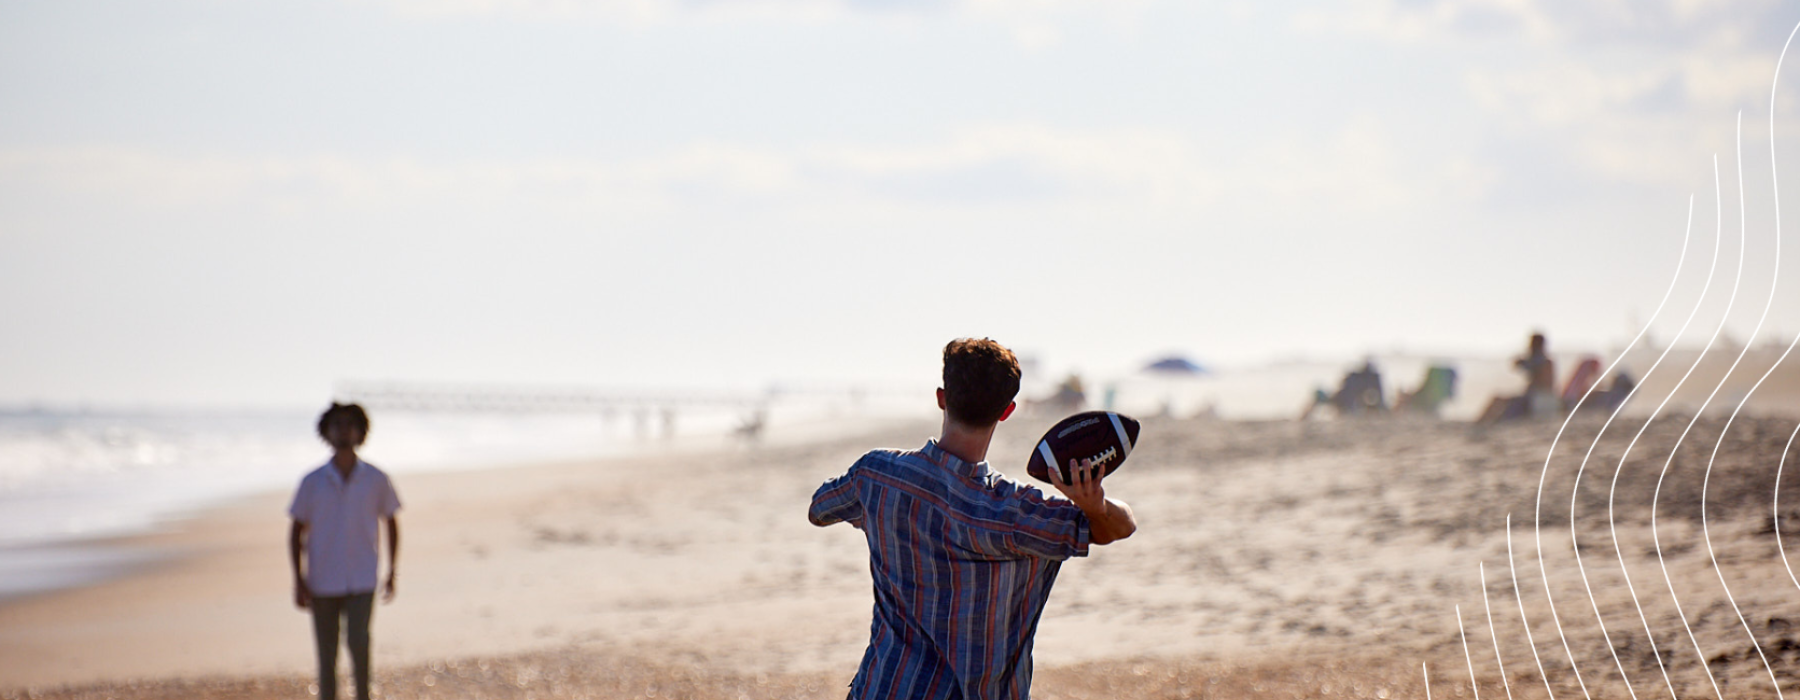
x: 71, y: 482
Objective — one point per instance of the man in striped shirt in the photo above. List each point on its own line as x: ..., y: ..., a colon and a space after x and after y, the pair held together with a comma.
x: 962, y: 556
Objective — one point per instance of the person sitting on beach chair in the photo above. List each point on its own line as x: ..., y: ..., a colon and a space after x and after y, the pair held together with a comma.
x: 1609, y: 399
x: 962, y: 557
x: 1359, y: 394
x: 1540, y: 399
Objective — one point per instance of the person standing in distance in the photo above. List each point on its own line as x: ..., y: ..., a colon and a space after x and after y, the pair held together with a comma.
x: 336, y: 515
x: 962, y: 557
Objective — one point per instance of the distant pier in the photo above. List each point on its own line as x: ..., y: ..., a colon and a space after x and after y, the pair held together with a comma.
x: 642, y: 405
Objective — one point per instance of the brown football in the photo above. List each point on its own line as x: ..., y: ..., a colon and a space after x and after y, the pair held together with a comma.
x: 1102, y: 436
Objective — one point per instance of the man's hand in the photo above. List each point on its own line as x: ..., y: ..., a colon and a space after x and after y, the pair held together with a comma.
x: 302, y: 595
x: 387, y: 591
x: 1108, y: 520
x: 1086, y: 491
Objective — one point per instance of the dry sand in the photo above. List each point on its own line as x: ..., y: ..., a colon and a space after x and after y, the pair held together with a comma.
x: 1280, y: 559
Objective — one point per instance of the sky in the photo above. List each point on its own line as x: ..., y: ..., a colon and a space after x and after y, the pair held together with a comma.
x: 226, y: 203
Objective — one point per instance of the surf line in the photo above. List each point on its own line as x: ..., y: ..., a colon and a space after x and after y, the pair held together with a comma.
x: 1656, y: 497
x: 1575, y: 492
x: 1494, y: 635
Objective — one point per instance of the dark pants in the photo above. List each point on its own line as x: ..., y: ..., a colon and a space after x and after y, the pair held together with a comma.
x: 356, y: 610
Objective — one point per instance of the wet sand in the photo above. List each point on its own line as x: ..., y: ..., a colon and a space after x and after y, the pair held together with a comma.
x: 1275, y: 559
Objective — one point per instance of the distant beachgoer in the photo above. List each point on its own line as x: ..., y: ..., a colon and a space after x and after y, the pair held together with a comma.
x: 962, y: 557
x: 1610, y: 398
x: 336, y: 513
x: 1360, y: 393
x: 1540, y: 399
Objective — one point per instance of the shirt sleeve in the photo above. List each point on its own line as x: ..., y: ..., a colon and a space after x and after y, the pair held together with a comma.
x: 1047, y: 527
x: 390, y: 501
x: 837, y: 501
x: 301, y: 507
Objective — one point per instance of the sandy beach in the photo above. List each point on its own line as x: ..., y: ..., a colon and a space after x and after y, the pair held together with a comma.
x: 1275, y: 559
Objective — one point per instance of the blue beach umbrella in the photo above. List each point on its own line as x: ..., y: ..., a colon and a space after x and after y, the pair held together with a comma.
x: 1174, y: 364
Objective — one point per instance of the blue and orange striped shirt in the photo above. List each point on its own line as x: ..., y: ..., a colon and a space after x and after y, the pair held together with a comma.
x: 963, y: 559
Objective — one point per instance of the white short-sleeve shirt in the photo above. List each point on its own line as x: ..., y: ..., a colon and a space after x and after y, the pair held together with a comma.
x: 342, y: 519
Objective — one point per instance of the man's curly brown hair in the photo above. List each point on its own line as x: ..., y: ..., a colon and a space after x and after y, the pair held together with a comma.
x: 345, y: 411
x: 981, y: 377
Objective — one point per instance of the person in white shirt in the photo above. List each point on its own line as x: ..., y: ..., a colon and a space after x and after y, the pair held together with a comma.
x: 337, y: 512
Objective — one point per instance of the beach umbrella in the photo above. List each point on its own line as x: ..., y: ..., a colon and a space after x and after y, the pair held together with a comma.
x: 1174, y: 364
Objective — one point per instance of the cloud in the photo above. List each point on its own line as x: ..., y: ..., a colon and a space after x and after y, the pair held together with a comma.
x: 1013, y: 167
x: 1032, y: 24
x: 1663, y: 25
x: 1634, y: 91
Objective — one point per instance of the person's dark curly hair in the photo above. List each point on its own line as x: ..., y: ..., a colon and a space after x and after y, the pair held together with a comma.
x: 981, y: 377
x: 345, y: 411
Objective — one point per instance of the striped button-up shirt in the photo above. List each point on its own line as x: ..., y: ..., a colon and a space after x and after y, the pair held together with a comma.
x: 963, y: 559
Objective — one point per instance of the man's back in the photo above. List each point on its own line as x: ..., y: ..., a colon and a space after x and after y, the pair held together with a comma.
x: 962, y: 560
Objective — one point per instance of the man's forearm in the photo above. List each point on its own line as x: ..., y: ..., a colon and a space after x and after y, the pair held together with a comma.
x: 393, y: 545
x: 296, y: 542
x: 1114, y: 522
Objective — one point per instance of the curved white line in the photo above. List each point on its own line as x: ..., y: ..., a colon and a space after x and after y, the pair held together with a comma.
x: 1705, y: 530
x: 1575, y: 493
x: 1460, y: 632
x: 1494, y: 634
x: 1777, y: 508
x: 1656, y: 498
x: 1613, y: 490
x: 1426, y: 668
x: 1775, y: 183
x: 1519, y: 595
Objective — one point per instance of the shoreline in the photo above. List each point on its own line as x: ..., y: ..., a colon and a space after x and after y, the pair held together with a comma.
x: 232, y: 555
x: 1270, y: 553
x: 48, y: 563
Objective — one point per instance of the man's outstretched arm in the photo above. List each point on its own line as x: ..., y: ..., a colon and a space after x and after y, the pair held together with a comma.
x: 1109, y: 520
x: 836, y: 501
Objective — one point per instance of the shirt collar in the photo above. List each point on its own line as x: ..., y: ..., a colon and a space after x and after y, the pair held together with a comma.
x: 337, y: 476
x: 938, y: 455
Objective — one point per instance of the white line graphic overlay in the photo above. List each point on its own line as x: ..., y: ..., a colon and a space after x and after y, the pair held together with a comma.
x: 1613, y: 490
x: 1776, y: 522
x: 1706, y: 482
x: 1494, y: 635
x: 1575, y: 493
x: 1519, y: 595
x: 1656, y: 497
x: 1474, y: 686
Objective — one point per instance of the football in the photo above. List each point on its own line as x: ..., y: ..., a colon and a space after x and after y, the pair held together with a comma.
x: 1102, y: 436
